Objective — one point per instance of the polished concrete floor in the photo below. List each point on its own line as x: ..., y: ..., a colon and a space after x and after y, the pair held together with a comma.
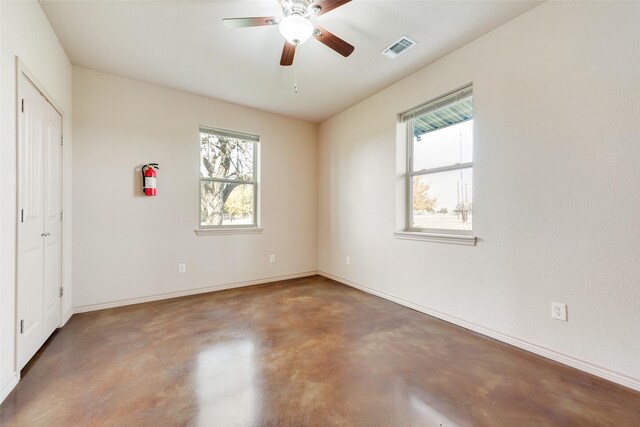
x: 305, y: 352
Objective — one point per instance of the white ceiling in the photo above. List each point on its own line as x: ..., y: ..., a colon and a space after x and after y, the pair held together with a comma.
x: 184, y: 45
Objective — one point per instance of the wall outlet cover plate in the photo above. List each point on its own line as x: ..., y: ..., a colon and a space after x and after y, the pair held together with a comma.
x: 559, y: 311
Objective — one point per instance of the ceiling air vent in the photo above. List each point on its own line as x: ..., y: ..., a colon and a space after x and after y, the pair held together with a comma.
x: 398, y: 47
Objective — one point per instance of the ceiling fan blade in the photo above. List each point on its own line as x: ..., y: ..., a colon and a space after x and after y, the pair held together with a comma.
x: 326, y: 5
x: 250, y: 22
x: 287, y: 54
x: 332, y: 41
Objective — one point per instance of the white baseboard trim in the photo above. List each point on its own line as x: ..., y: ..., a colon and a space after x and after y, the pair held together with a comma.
x: 66, y: 317
x: 8, y: 386
x: 121, y: 303
x: 598, y: 371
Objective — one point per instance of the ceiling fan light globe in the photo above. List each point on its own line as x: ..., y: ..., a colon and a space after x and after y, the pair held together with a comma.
x: 296, y: 29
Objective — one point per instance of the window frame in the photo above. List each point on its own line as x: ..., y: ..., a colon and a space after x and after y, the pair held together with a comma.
x: 408, y: 118
x: 223, y: 228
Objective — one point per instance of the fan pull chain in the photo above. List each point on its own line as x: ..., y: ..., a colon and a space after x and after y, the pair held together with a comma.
x: 295, y: 78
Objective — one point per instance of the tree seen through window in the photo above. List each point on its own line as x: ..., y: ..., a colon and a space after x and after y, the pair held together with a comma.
x: 227, y: 178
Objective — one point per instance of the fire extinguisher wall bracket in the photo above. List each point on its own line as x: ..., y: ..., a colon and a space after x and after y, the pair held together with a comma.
x: 149, y: 184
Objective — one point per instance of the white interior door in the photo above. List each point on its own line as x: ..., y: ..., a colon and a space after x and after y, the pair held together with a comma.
x: 39, y: 222
x: 52, y: 217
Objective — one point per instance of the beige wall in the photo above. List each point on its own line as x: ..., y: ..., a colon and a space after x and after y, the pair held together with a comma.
x: 127, y: 247
x: 25, y: 32
x: 556, y: 200
x: 556, y: 166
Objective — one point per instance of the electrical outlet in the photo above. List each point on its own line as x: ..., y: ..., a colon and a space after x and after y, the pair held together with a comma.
x: 272, y: 258
x: 182, y: 268
x: 559, y: 311
x: 348, y: 260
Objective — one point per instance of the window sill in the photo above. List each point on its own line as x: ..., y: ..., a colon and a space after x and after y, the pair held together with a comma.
x: 453, y: 239
x: 226, y: 231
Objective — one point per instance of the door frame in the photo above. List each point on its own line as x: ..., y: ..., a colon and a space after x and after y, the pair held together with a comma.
x: 22, y: 69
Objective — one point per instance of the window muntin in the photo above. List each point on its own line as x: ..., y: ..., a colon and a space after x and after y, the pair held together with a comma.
x: 440, y: 165
x: 228, y: 184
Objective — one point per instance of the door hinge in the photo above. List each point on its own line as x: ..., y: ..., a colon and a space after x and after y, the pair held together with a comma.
x: 61, y: 139
x: 61, y: 291
x: 61, y: 216
x: 22, y: 107
x: 22, y: 326
x: 21, y: 215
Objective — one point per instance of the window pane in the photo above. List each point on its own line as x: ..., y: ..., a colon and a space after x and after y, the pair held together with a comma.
x: 443, y: 200
x: 226, y: 157
x: 223, y: 203
x: 443, y: 147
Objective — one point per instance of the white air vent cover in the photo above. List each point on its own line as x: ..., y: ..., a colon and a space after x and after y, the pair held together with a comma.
x: 399, y: 47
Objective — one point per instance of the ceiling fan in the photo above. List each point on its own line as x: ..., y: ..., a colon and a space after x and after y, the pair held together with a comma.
x: 296, y: 27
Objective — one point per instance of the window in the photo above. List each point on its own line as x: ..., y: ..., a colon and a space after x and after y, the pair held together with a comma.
x: 440, y: 164
x: 228, y: 185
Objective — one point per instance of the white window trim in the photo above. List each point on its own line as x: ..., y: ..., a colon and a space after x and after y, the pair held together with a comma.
x: 459, y: 237
x: 221, y: 231
x: 214, y: 230
x: 454, y: 239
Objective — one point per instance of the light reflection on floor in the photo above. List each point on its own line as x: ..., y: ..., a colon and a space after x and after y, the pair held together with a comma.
x: 226, y: 385
x: 424, y: 414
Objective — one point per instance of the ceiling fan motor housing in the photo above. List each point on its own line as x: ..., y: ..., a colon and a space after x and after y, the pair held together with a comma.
x: 299, y: 7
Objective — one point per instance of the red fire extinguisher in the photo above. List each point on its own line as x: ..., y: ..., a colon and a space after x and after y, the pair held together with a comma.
x: 149, y: 179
